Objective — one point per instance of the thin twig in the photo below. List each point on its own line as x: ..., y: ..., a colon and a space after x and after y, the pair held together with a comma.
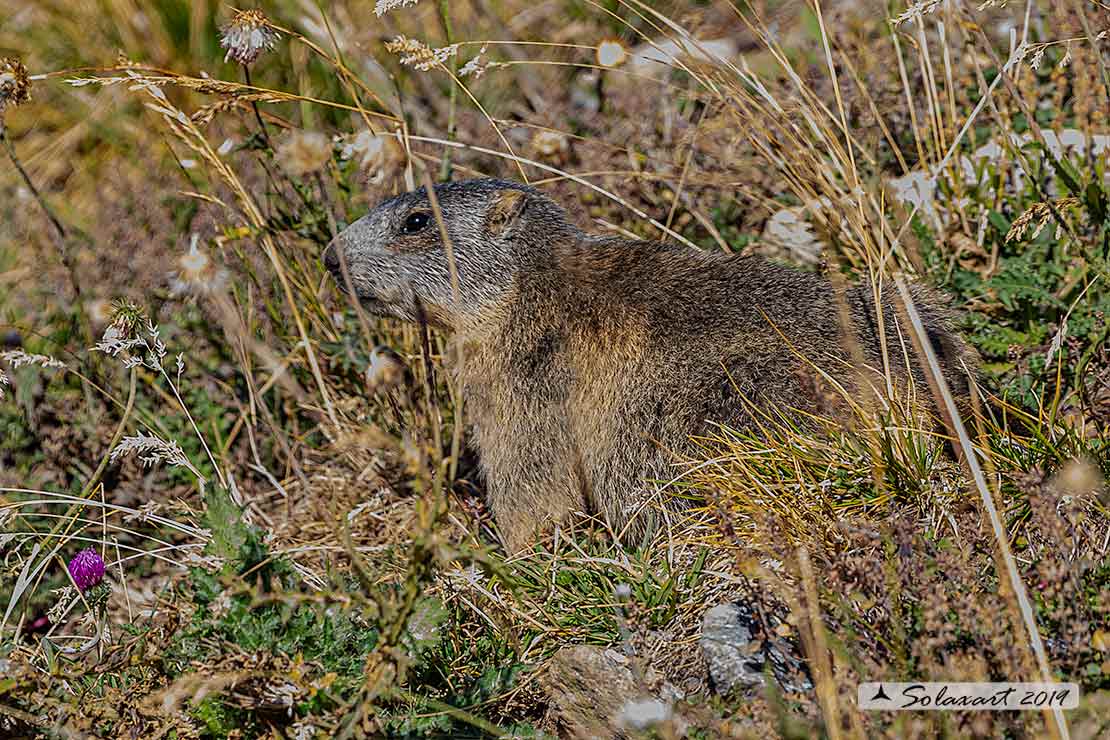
x: 254, y: 106
x: 452, y: 100
x: 31, y: 185
x: 52, y: 217
x: 1000, y: 536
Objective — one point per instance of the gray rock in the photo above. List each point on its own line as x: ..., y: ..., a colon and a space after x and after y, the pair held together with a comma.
x: 730, y: 650
x: 740, y: 649
x: 588, y: 689
x: 593, y: 693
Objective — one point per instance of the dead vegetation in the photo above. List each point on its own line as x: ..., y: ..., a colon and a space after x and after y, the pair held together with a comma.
x: 297, y: 547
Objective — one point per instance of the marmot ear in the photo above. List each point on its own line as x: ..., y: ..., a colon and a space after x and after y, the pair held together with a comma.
x: 505, y: 211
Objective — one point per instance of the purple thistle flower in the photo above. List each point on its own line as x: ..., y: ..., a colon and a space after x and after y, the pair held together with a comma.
x: 86, y: 568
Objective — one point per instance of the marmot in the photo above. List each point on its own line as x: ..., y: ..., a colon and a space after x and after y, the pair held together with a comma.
x: 589, y: 360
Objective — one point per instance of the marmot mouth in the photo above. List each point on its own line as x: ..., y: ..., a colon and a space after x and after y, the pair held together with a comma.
x: 367, y: 301
x: 365, y: 297
x: 340, y: 283
x: 359, y: 292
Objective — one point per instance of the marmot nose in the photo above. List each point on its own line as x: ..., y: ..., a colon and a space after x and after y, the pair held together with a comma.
x: 331, y: 258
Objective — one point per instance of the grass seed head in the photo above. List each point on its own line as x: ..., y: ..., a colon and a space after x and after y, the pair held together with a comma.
x: 248, y: 35
x: 478, y: 65
x: 418, y: 55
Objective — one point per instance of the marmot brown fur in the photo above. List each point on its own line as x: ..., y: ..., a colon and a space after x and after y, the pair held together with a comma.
x: 590, y: 360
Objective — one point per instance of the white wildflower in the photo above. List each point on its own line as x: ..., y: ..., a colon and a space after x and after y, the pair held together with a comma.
x: 384, y: 6
x: 248, y: 35
x: 113, y: 342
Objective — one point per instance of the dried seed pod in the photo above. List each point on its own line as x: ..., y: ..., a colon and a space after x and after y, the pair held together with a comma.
x: 15, y: 85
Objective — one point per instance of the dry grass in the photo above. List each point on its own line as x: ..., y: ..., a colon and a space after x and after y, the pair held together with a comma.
x: 311, y: 553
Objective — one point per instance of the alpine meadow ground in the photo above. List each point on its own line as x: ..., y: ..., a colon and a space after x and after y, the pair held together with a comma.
x: 234, y: 505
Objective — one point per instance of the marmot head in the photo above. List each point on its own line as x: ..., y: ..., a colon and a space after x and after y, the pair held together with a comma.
x: 398, y: 266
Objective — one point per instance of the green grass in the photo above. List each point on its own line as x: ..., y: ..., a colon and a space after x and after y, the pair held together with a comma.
x: 336, y: 582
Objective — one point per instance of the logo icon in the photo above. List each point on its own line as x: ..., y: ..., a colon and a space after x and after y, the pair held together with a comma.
x: 880, y: 695
x: 888, y: 696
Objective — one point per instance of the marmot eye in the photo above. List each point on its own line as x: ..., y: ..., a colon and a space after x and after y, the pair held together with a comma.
x: 415, y: 222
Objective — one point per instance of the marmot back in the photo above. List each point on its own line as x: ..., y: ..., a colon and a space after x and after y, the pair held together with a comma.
x: 591, y: 360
